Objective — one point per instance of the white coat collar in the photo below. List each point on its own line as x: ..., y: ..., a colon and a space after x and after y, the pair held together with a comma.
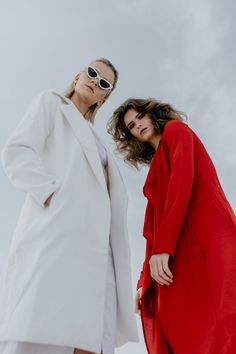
x: 85, y: 137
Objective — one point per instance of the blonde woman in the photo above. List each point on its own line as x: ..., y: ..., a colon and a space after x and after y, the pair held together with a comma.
x: 66, y: 286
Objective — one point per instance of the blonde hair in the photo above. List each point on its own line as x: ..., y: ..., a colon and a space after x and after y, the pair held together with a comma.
x: 91, y: 113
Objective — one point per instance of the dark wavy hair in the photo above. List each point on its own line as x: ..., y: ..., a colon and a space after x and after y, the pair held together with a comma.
x: 137, y: 153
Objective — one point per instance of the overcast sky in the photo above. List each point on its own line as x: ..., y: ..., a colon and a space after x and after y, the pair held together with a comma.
x: 180, y: 52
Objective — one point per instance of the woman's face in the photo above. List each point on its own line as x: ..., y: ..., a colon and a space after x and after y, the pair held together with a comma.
x: 89, y: 89
x: 140, y: 125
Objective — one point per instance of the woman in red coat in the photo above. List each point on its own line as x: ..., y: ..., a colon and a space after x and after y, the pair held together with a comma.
x: 187, y: 288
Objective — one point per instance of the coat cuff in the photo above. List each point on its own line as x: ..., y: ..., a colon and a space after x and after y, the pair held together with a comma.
x: 164, y: 246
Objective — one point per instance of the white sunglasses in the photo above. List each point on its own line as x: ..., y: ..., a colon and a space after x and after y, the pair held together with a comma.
x: 103, y: 83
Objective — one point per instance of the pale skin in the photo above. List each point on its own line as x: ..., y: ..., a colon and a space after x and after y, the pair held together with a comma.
x: 142, y: 128
x: 87, y: 92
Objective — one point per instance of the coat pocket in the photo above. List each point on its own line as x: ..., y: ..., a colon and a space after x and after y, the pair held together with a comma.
x: 57, y: 194
x: 53, y: 199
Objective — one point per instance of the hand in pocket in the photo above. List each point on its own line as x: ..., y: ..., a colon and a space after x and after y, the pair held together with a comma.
x: 48, y: 200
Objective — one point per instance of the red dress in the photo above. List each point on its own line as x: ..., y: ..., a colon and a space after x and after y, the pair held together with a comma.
x: 189, y: 217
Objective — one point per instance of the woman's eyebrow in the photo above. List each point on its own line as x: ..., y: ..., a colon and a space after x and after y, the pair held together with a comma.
x: 97, y: 71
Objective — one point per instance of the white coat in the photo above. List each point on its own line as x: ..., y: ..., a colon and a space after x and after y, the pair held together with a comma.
x: 52, y: 289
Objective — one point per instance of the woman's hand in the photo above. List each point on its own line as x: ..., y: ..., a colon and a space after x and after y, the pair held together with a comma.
x: 48, y: 200
x: 160, y: 270
x: 138, y: 301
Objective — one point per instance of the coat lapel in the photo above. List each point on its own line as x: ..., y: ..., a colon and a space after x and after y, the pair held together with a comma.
x: 116, y: 184
x: 117, y: 187
x: 85, y: 136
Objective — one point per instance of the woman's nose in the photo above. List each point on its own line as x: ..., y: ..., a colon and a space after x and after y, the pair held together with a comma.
x: 95, y: 81
x: 138, y: 125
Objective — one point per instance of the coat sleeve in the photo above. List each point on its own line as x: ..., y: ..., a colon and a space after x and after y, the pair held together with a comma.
x: 140, y: 281
x: 21, y: 154
x: 146, y: 259
x: 179, y: 139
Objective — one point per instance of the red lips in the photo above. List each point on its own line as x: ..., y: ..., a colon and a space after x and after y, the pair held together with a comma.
x: 141, y: 131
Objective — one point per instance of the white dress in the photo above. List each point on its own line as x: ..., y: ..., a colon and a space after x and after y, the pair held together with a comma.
x: 108, y: 343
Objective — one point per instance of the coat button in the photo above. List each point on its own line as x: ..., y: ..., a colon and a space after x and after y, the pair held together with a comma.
x: 53, y: 182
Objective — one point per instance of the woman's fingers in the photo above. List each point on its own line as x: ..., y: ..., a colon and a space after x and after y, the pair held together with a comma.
x: 154, y: 269
x: 47, y: 202
x: 156, y: 272
x: 159, y: 269
x: 138, y: 303
x: 166, y: 268
x: 162, y: 275
x: 140, y: 290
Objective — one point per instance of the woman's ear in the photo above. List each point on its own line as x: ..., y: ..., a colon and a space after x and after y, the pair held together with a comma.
x: 76, y: 79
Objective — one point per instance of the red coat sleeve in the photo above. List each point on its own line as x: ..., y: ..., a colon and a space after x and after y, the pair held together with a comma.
x: 179, y: 139
x: 140, y: 281
x: 147, y: 256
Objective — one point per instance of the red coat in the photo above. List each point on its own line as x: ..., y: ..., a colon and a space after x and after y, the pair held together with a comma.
x: 189, y: 217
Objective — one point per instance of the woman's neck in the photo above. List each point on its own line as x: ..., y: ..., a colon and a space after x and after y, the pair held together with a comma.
x: 82, y: 106
x: 155, y: 140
